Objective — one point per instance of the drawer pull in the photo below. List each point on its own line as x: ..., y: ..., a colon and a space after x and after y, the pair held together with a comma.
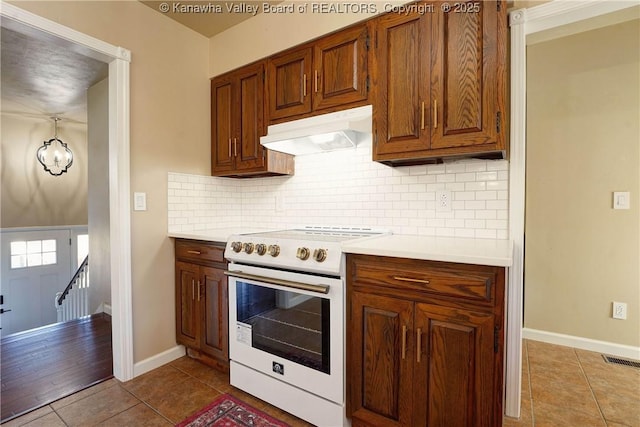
x: 404, y: 341
x: 194, y: 252
x: 408, y: 279
x: 418, y: 344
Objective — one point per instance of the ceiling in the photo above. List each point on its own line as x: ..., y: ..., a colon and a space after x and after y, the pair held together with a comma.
x: 44, y: 76
x: 208, y: 17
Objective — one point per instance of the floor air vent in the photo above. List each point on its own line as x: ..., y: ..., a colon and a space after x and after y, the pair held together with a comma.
x: 620, y: 361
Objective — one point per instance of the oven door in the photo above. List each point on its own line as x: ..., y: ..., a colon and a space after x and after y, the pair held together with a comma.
x: 288, y: 326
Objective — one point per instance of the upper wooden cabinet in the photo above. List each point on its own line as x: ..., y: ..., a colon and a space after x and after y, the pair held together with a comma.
x: 237, y: 122
x: 328, y: 73
x: 340, y: 68
x: 440, y: 83
x: 288, y: 77
x: 402, y: 85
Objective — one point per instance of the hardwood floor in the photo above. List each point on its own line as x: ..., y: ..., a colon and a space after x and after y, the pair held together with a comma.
x: 48, y: 363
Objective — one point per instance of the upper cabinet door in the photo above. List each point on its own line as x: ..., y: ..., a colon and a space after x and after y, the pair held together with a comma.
x: 289, y: 84
x: 401, y: 85
x: 340, y: 68
x: 222, y: 113
x: 250, y: 124
x: 466, y: 83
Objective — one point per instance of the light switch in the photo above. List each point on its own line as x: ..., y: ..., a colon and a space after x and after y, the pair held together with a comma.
x: 139, y: 201
x: 621, y: 200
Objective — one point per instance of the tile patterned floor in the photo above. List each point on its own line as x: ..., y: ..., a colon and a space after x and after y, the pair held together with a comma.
x: 561, y: 386
x: 564, y: 386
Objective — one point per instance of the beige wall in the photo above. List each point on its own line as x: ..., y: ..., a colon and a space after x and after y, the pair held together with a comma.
x: 31, y: 196
x: 169, y: 131
x: 98, y: 197
x: 583, y: 133
x: 266, y: 34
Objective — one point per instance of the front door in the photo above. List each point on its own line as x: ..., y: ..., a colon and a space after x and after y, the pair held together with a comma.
x: 35, y: 265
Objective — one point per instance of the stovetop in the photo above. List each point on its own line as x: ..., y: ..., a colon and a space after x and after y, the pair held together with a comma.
x: 307, y: 249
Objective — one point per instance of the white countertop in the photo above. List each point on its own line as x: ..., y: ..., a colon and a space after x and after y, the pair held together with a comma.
x: 216, y: 234
x: 449, y: 249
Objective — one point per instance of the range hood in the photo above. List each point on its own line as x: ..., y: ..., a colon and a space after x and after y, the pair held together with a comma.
x: 327, y: 132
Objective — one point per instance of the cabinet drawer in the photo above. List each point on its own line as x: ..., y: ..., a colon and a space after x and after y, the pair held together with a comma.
x: 199, y: 251
x: 441, y: 279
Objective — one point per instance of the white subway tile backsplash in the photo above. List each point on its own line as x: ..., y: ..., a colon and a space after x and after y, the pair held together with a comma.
x: 346, y: 188
x: 486, y: 176
x: 486, y: 195
x: 475, y: 186
x: 498, y: 165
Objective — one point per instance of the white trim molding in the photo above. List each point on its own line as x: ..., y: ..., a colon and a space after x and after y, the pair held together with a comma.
x: 158, y: 360
x: 118, y: 59
x: 525, y: 22
x: 605, y: 347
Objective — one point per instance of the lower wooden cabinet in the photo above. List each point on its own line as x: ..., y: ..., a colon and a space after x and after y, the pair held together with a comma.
x: 424, y: 343
x: 202, y: 302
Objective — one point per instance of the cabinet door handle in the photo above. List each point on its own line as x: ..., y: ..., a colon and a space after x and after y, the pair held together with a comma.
x: 193, y: 289
x: 316, y: 81
x: 418, y: 344
x: 435, y: 114
x: 404, y: 341
x: 409, y: 279
x: 422, y: 116
x: 194, y: 252
x: 230, y: 152
x: 304, y: 85
x: 199, y: 292
x: 235, y: 147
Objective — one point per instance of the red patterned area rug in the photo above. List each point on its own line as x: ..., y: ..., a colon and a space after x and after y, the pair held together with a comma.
x: 227, y: 411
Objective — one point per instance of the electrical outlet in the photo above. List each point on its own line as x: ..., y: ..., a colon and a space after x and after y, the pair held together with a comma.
x: 619, y: 310
x: 443, y: 201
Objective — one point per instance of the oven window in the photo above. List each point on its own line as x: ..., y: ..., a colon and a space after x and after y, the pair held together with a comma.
x: 286, y: 324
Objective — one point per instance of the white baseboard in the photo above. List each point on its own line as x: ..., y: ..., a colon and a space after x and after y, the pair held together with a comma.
x: 158, y: 360
x: 605, y: 347
x: 103, y: 308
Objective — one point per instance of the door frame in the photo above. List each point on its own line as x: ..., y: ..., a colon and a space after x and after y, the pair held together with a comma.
x: 118, y: 59
x: 523, y: 23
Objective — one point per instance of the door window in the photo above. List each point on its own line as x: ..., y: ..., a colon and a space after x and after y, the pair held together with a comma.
x: 33, y: 253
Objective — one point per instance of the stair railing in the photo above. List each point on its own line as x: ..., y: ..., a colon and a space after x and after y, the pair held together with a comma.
x: 73, y: 302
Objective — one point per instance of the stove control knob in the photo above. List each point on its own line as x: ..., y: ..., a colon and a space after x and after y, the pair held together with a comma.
x: 236, y: 246
x: 248, y: 248
x: 261, y: 249
x: 320, y: 255
x: 274, y: 250
x: 303, y: 253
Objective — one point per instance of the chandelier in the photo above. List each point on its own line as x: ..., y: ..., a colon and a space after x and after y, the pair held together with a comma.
x: 54, y: 155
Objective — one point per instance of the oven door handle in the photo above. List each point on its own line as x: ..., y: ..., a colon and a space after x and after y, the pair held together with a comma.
x: 321, y: 289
